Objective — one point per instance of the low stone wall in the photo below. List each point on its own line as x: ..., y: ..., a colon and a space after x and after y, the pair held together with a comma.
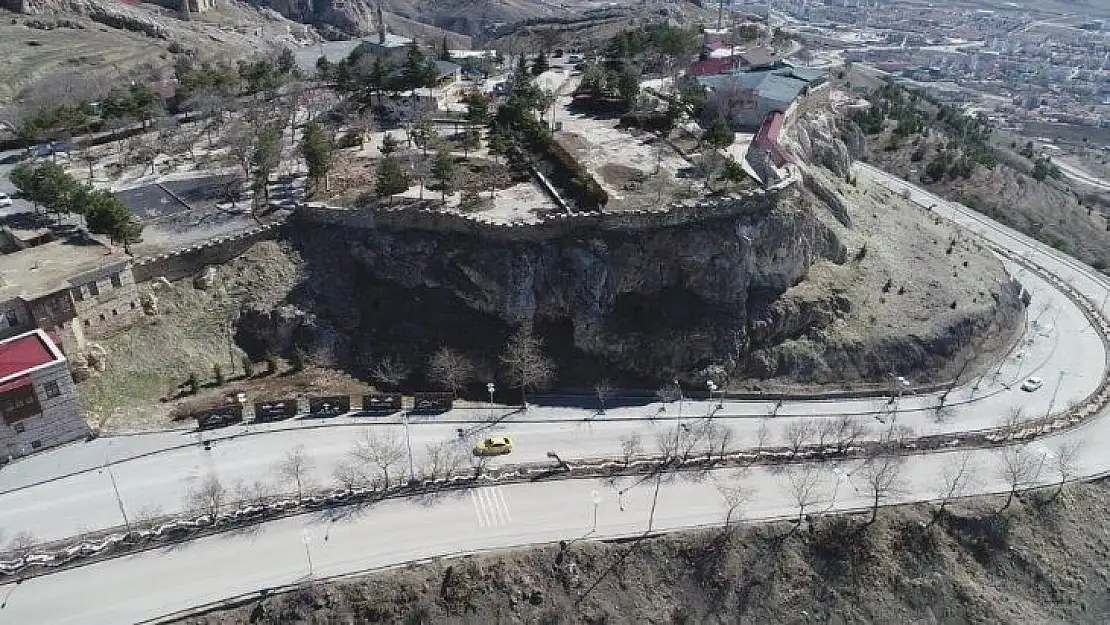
x: 188, y: 261
x: 433, y: 217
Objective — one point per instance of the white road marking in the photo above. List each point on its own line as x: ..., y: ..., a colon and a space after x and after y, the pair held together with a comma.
x: 504, y: 505
x: 491, y: 507
x: 478, y: 508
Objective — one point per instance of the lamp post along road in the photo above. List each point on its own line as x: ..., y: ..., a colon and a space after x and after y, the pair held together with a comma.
x: 679, y: 387
x: 119, y: 499
x: 1052, y: 402
x: 490, y: 388
x: 408, y: 443
x: 597, y: 500
x: 306, y: 538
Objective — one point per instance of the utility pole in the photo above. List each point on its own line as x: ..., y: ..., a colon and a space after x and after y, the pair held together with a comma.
x: 1052, y: 402
x: 408, y: 443
x: 119, y: 499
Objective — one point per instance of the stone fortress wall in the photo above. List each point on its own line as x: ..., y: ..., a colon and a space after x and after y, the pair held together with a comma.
x: 188, y: 261
x: 429, y: 215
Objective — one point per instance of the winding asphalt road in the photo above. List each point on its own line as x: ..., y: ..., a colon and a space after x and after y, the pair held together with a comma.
x: 154, y: 470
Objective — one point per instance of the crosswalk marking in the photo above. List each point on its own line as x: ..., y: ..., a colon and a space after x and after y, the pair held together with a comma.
x: 491, y: 506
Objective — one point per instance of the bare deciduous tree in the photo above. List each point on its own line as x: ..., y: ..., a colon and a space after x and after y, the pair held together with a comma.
x: 678, y: 443
x: 802, y: 481
x: 1013, y: 421
x: 883, y: 474
x: 20, y: 545
x: 846, y: 432
x: 798, y: 433
x: 478, y: 464
x: 957, y: 475
x: 717, y: 439
x: 1019, y: 468
x: 208, y: 498
x: 390, y: 371
x: 762, y: 435
x: 631, y: 446
x: 734, y: 492
x: 256, y: 493
x: 442, y: 460
x: 146, y: 517
x: 295, y: 467
x: 240, y: 142
x: 382, y: 452
x: 451, y: 369
x: 1066, y: 461
x: 527, y: 365
x: 668, y: 392
x: 349, y: 474
x: 604, y: 391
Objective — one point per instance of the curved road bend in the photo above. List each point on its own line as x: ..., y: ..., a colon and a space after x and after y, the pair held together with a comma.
x: 150, y: 584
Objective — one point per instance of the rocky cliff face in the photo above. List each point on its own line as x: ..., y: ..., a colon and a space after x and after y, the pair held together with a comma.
x: 651, y: 302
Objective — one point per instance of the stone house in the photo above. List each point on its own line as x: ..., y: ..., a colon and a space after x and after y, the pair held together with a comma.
x: 39, y: 407
x: 73, y: 287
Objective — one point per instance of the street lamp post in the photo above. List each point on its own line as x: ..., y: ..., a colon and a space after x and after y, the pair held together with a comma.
x: 1052, y: 402
x: 490, y: 388
x: 679, y: 387
x: 115, y: 490
x: 597, y: 501
x: 713, y: 388
x: 408, y: 443
x: 119, y: 500
x: 306, y: 538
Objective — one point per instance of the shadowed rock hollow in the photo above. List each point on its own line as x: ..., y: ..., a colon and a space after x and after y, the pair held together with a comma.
x: 780, y: 291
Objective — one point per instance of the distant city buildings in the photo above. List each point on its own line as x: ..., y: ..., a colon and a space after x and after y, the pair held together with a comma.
x: 1029, y: 69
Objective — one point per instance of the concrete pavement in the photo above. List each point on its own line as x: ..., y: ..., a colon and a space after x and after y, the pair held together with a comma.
x: 153, y: 481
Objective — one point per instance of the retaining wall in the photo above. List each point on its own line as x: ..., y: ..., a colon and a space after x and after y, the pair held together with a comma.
x: 188, y: 261
x: 428, y: 215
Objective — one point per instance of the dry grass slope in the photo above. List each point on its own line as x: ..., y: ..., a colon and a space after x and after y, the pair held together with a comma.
x: 154, y: 356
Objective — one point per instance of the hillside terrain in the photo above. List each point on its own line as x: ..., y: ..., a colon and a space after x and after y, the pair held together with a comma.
x: 955, y: 157
x: 62, y: 48
x: 1035, y: 562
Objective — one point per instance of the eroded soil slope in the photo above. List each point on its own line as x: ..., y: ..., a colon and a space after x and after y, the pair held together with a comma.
x: 1032, y: 563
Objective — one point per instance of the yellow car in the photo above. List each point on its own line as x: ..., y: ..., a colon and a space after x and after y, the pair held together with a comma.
x: 496, y: 446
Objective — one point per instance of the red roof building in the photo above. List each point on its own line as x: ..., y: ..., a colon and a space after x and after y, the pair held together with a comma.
x: 38, y: 399
x: 25, y: 353
x: 768, y: 138
x: 712, y: 67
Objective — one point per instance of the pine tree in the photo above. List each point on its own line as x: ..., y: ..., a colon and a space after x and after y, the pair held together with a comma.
x: 317, y: 152
x: 540, y: 64
x: 443, y: 172
x: 391, y: 178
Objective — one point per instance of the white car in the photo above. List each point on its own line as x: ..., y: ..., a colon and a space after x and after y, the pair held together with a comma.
x: 5, y: 201
x: 1032, y: 384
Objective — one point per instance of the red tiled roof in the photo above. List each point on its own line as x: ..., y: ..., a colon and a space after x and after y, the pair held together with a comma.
x: 768, y: 138
x: 23, y: 353
x: 11, y: 385
x: 711, y: 67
